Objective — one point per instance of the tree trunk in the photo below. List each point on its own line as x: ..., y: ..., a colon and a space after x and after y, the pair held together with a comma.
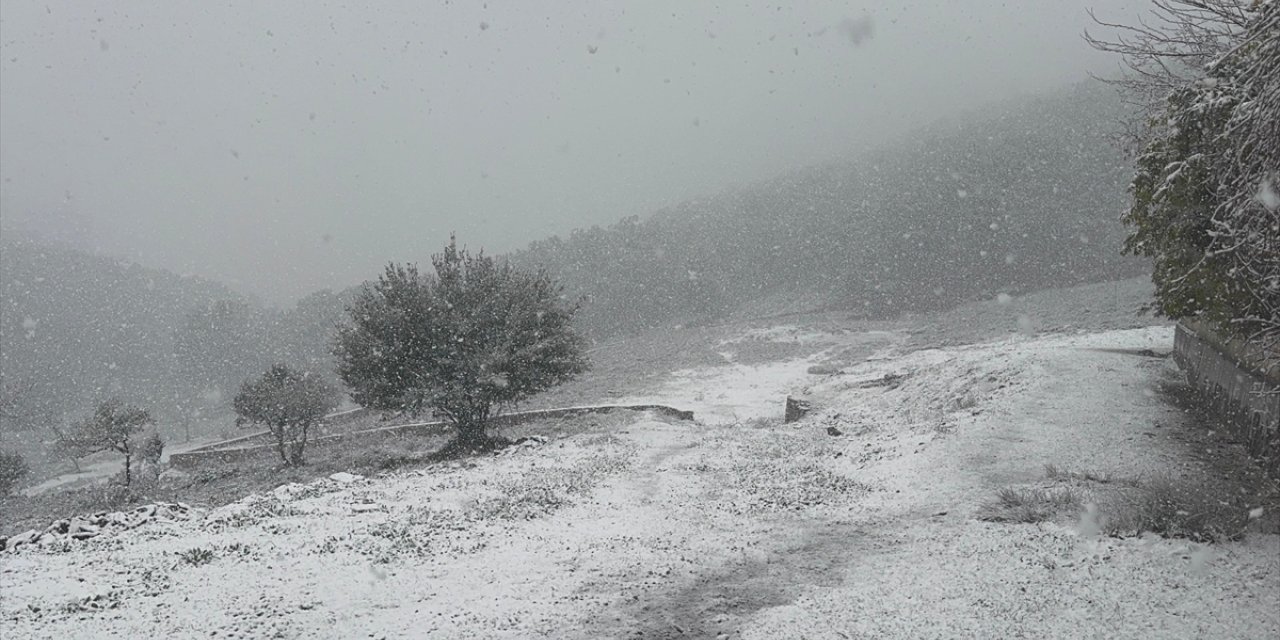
x: 299, y: 445
x: 278, y: 432
x: 127, y: 471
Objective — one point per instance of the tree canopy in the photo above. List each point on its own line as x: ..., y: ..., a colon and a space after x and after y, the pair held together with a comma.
x: 289, y: 403
x: 1205, y: 193
x: 475, y: 335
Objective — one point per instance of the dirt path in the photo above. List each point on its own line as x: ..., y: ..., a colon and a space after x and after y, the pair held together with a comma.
x: 915, y: 560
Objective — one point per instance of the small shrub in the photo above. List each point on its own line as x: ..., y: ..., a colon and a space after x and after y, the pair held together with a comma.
x: 238, y: 549
x: 1177, y: 509
x: 540, y: 492
x: 332, y: 544
x: 423, y: 533
x: 526, y: 503
x: 1029, y: 505
x: 787, y: 484
x: 196, y: 556
x: 13, y: 468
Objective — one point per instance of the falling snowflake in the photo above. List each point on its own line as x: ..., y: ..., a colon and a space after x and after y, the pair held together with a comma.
x: 1267, y: 195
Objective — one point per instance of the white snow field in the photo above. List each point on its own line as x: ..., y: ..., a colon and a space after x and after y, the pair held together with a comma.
x: 733, y: 527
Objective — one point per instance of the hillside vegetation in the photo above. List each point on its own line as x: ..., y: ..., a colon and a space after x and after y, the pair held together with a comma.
x: 1025, y: 197
x: 78, y: 327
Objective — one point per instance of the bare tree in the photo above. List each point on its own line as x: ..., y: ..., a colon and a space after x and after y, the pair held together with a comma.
x: 1169, y: 49
x: 112, y: 427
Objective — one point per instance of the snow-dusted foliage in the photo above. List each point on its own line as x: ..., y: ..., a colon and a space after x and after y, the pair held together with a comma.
x: 1204, y: 193
x: 289, y: 403
x: 477, y: 335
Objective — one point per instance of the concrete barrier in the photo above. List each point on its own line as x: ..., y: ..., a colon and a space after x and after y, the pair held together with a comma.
x: 236, y: 450
x: 1240, y: 384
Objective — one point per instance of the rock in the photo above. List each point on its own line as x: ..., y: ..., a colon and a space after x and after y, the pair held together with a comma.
x: 26, y: 537
x: 59, y: 527
x: 832, y: 431
x: 345, y: 478
x: 796, y: 409
x: 287, y: 491
x: 364, y: 507
x: 79, y: 525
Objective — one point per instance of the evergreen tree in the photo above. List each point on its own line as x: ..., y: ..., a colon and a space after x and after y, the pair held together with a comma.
x: 1205, y: 193
x: 477, y: 335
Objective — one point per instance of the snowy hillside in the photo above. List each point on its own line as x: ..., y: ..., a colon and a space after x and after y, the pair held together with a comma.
x: 874, y: 516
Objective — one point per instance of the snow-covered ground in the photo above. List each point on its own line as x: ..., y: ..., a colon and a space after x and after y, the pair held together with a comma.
x: 730, y: 527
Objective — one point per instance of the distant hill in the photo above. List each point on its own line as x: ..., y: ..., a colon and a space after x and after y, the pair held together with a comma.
x: 82, y: 326
x: 1021, y: 197
x: 79, y: 328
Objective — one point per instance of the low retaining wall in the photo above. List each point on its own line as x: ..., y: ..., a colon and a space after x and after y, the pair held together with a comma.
x: 1246, y: 397
x: 228, y: 451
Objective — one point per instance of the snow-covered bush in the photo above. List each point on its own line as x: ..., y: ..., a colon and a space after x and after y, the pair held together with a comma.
x: 477, y: 335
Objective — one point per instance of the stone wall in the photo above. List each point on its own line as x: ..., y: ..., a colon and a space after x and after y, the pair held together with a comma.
x: 237, y: 450
x: 1239, y: 384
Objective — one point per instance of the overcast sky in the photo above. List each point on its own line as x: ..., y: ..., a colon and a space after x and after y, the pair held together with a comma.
x: 288, y: 146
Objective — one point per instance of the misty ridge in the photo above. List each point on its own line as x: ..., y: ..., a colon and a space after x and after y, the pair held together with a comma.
x: 1021, y: 197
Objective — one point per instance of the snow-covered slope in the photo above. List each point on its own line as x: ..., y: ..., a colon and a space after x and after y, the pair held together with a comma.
x: 726, y: 528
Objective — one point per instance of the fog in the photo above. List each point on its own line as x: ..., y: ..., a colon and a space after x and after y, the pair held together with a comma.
x: 286, y: 147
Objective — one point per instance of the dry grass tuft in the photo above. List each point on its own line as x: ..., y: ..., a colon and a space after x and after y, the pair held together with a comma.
x: 1028, y: 505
